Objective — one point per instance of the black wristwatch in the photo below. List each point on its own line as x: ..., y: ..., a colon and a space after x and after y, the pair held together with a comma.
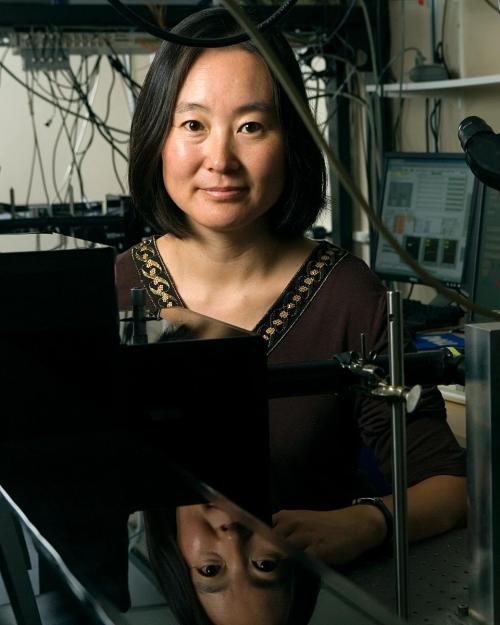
x: 379, y: 503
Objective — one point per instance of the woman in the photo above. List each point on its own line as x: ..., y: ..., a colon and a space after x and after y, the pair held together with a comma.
x: 218, y: 567
x: 224, y: 170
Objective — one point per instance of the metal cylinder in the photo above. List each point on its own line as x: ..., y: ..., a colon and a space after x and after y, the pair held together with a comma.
x: 399, y: 477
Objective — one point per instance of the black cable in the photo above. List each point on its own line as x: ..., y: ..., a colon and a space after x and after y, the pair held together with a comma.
x: 490, y: 4
x: 42, y: 97
x: 98, y: 120
x: 102, y: 129
x: 62, y: 96
x: 30, y: 178
x: 77, y: 163
x: 83, y: 153
x: 108, y: 98
x: 125, y: 76
x: 1, y: 62
x: 73, y: 154
x: 427, y: 142
x: 435, y: 123
x: 439, y: 51
x: 143, y: 24
x: 116, y: 64
x: 37, y: 147
x: 346, y: 45
x: 341, y: 23
x: 398, y: 122
x: 115, y: 170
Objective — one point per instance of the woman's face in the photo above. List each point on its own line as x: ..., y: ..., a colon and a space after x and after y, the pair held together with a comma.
x: 239, y: 577
x: 223, y: 160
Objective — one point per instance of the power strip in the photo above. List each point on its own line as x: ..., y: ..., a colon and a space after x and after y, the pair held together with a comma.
x: 46, y: 50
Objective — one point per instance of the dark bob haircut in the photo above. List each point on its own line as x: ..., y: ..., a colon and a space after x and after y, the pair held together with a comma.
x: 303, y: 196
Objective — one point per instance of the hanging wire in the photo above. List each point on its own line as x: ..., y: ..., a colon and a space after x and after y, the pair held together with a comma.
x: 37, y: 152
x: 343, y: 20
x: 492, y: 6
x: 56, y: 104
x: 427, y: 122
x: 74, y: 163
x: 398, y: 125
x: 435, y: 123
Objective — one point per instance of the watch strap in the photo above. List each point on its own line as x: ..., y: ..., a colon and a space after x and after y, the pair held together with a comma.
x: 379, y: 503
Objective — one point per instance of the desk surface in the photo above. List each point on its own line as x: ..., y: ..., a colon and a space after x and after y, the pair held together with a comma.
x: 439, y: 571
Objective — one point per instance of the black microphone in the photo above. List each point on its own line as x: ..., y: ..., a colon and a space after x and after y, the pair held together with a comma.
x: 482, y: 150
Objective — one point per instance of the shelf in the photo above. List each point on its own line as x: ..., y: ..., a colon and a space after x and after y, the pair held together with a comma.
x: 436, y: 88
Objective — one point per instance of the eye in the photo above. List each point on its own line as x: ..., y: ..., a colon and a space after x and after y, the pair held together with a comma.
x: 265, y: 566
x: 192, y: 125
x: 251, y: 127
x: 209, y: 570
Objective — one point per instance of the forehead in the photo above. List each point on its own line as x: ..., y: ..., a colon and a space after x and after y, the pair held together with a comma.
x: 221, y: 74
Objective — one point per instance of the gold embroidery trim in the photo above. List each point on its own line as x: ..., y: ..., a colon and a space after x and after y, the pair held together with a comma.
x: 156, y: 285
x: 307, y: 285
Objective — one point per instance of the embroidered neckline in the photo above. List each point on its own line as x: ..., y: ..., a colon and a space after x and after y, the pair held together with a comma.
x: 299, y: 293
x: 154, y: 275
x: 282, y: 315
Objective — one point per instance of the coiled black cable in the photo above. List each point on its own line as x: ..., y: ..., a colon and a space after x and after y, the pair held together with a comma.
x: 140, y: 22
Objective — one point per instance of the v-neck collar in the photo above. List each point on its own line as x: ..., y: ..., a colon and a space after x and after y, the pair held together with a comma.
x: 281, y: 316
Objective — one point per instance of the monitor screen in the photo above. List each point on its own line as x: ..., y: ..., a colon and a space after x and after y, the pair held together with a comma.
x: 426, y: 203
x: 486, y: 286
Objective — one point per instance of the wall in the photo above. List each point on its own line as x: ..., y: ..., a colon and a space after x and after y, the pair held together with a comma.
x: 471, y: 48
x: 17, y: 136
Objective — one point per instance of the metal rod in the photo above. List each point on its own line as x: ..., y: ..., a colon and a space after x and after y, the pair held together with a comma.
x: 433, y: 31
x: 399, y: 479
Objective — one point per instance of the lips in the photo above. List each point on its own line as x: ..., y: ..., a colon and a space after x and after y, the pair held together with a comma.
x: 223, y: 193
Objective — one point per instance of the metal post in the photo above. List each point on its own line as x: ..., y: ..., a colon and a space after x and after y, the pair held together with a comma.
x: 482, y: 368
x: 433, y: 30
x: 399, y: 479
x: 339, y: 139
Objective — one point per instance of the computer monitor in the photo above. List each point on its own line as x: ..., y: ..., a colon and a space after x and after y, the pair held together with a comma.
x: 485, y: 265
x: 426, y: 202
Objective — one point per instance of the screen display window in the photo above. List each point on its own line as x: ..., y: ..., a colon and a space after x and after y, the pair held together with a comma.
x: 426, y: 204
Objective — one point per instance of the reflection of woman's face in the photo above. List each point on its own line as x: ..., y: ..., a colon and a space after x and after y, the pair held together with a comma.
x: 239, y: 576
x: 223, y: 160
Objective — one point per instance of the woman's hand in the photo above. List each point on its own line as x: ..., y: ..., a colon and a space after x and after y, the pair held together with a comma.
x: 333, y: 536
x: 435, y: 505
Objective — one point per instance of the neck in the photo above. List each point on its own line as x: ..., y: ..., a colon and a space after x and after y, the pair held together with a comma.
x: 229, y: 258
x: 231, y: 278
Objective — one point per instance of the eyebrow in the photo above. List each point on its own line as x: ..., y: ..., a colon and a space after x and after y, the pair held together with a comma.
x: 222, y: 586
x: 258, y: 106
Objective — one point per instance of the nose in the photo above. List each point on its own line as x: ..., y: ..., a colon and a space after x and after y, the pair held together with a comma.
x: 221, y: 154
x: 224, y: 524
x: 234, y: 528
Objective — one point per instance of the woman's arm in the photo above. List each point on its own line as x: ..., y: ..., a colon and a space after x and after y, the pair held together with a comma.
x: 336, y: 537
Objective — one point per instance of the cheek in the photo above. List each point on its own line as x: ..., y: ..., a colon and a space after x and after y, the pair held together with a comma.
x: 190, y: 544
x: 177, y: 158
